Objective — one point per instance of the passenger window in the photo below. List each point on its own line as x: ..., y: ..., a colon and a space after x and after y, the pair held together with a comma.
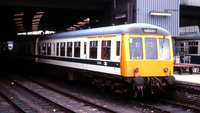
x: 105, y: 50
x: 85, y: 44
x: 57, y: 49
x: 77, y: 49
x: 151, y: 48
x: 93, y: 49
x: 39, y: 49
x: 69, y: 49
x: 136, y: 50
x: 62, y: 49
x: 118, y: 48
x: 53, y: 51
x: 48, y: 48
x: 44, y: 49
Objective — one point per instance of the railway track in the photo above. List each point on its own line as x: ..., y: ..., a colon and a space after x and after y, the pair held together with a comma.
x: 8, y: 105
x: 181, y: 105
x: 186, y: 93
x: 28, y: 100
x: 182, y: 97
x: 152, y: 106
x: 165, y: 106
x: 73, y: 103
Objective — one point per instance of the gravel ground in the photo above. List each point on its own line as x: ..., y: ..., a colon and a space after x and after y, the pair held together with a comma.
x: 5, y: 106
x: 116, y: 103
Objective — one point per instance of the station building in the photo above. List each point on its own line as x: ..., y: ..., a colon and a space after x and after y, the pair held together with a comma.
x: 168, y: 14
x: 187, y: 44
x: 162, y: 13
x: 180, y: 17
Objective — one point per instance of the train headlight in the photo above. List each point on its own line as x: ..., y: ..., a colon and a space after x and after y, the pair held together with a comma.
x: 136, y: 70
x: 165, y: 69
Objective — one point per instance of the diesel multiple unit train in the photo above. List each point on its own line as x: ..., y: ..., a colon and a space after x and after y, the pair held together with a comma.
x: 188, y: 48
x: 123, y: 57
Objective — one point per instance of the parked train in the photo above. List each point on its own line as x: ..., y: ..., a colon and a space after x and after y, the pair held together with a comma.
x: 132, y: 56
x: 188, y: 48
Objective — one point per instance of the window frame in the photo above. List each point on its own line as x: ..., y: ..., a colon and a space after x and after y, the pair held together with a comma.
x: 79, y: 47
x: 105, y: 48
x: 141, y: 48
x: 193, y: 47
x: 147, y: 48
x: 48, y: 48
x: 168, y: 48
x: 57, y: 49
x: 93, y: 47
x: 62, y: 48
x: 53, y: 48
x: 69, y: 47
x: 44, y: 48
x: 118, y: 49
x: 39, y: 49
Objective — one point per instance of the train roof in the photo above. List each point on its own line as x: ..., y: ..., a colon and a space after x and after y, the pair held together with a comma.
x: 136, y: 28
x: 26, y: 38
x: 189, y: 36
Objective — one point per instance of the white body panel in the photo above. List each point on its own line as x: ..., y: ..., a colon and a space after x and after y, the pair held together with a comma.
x: 103, y: 68
x: 89, y: 67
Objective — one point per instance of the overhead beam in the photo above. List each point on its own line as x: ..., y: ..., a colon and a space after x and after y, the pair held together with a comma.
x: 67, y: 4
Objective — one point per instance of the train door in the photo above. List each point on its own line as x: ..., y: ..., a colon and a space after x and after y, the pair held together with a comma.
x: 84, y: 53
x: 37, y: 47
x: 116, y: 51
x: 57, y: 49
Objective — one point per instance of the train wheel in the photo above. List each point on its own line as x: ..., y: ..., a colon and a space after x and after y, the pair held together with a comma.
x: 191, y: 70
x: 180, y: 71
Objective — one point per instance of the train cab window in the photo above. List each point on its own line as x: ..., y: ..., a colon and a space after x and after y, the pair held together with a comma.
x: 164, y: 49
x: 136, y: 50
x: 118, y: 48
x: 44, y: 49
x: 62, y: 49
x: 69, y: 49
x: 151, y: 48
x: 57, y: 49
x: 48, y: 48
x: 77, y: 49
x: 93, y: 49
x: 105, y: 50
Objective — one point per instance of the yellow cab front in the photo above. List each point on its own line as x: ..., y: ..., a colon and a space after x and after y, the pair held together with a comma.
x: 146, y: 55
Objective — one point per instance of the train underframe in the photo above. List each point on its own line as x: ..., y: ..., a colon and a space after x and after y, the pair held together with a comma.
x: 131, y: 86
x: 134, y: 87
